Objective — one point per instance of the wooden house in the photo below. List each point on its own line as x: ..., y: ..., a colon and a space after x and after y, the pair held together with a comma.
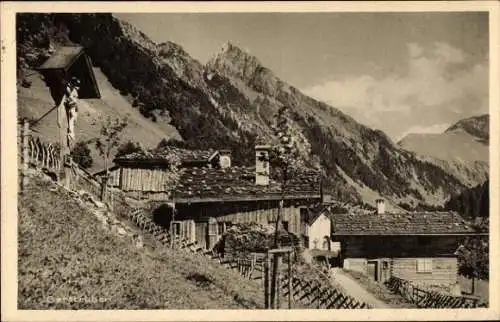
x: 212, y: 194
x: 419, y: 246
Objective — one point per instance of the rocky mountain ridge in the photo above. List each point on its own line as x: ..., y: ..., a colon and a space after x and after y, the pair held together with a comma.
x: 229, y: 103
x: 462, y: 149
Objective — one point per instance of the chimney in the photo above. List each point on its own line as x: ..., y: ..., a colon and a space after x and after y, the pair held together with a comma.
x: 380, y: 206
x: 262, y: 165
x: 224, y: 159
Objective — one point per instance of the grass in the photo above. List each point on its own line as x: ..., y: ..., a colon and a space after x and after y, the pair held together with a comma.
x: 481, y: 288
x: 65, y: 255
x: 380, y: 291
x: 35, y: 101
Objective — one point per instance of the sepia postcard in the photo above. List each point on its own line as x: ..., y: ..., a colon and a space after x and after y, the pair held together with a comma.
x: 250, y: 161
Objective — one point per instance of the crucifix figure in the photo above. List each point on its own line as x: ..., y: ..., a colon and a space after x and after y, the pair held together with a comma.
x: 69, y: 101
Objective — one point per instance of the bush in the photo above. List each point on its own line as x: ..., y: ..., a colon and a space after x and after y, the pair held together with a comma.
x: 129, y: 147
x: 81, y: 155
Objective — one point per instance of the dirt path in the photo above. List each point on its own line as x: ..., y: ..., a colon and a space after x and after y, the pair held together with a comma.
x: 356, y: 290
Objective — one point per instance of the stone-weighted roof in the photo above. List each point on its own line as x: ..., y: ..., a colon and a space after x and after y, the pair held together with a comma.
x: 239, y: 182
x: 413, y: 223
x: 161, y: 156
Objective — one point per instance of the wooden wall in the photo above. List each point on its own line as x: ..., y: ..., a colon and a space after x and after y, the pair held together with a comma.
x: 262, y: 212
x: 402, y: 252
x: 114, y: 178
x: 201, y: 233
x: 137, y: 179
x: 444, y: 271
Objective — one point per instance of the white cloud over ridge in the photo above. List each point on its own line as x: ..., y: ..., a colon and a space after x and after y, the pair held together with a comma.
x: 439, y: 81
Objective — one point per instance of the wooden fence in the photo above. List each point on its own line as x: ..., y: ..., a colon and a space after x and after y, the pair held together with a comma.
x: 316, y: 294
x: 430, y: 299
x: 35, y: 153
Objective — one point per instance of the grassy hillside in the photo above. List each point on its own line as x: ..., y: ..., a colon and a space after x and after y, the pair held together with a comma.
x: 35, y: 101
x: 64, y: 252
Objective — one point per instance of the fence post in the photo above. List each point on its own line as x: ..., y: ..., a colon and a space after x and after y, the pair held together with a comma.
x: 277, y: 281
x: 266, y: 280
x: 289, y: 280
x: 25, y: 131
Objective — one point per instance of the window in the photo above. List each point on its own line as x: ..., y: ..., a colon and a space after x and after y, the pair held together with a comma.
x: 220, y: 228
x: 212, y: 226
x: 424, y: 265
x: 285, y: 225
x: 176, y: 226
x: 304, y: 215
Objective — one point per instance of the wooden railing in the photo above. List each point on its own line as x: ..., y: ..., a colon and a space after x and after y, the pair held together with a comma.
x: 430, y: 299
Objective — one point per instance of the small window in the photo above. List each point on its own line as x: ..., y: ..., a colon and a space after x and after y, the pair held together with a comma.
x: 176, y: 226
x: 304, y: 214
x: 424, y: 265
x: 212, y: 227
x: 222, y: 227
x: 285, y: 226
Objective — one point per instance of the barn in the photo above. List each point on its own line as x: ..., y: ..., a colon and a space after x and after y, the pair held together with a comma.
x: 212, y: 194
x: 417, y: 246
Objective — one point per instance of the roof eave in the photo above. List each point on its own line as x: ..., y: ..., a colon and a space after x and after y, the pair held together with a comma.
x: 244, y: 198
x: 67, y: 66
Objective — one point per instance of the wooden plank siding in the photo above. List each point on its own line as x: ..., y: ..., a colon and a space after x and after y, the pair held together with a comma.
x: 137, y: 179
x: 444, y: 271
x: 264, y: 212
x: 402, y: 254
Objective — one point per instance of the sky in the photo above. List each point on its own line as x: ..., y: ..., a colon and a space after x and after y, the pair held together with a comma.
x: 397, y: 72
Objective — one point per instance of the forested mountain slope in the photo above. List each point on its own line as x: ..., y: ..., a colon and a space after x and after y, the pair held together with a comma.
x: 230, y: 103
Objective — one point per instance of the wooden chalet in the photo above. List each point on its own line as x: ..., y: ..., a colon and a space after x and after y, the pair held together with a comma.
x: 212, y: 194
x: 419, y: 246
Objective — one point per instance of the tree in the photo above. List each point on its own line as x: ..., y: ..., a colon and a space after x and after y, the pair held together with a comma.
x: 108, y: 141
x: 286, y: 157
x: 128, y: 147
x: 81, y: 155
x: 473, y: 259
x: 288, y: 149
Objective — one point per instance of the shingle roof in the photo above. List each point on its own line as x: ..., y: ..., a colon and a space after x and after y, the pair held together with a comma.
x: 417, y: 223
x: 63, y: 57
x: 161, y: 156
x: 316, y: 211
x: 239, y: 182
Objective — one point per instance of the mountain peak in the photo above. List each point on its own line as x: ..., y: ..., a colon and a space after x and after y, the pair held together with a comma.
x: 229, y: 46
x: 234, y: 61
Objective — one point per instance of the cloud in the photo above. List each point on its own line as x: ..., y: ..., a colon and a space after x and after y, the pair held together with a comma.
x: 438, y: 76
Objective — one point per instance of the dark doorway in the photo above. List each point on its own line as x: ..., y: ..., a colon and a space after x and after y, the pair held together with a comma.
x: 372, y: 270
